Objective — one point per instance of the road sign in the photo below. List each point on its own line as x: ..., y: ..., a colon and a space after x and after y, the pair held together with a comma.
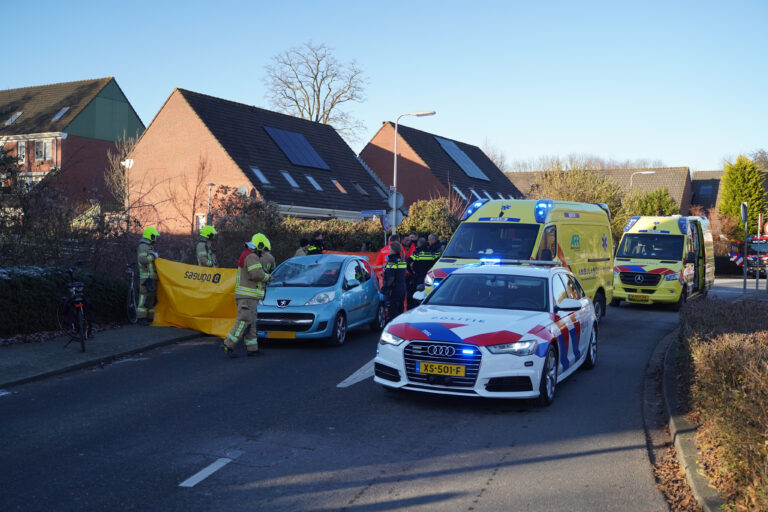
x: 744, y: 211
x: 385, y: 222
x: 397, y: 198
x: 398, y: 217
x: 373, y: 212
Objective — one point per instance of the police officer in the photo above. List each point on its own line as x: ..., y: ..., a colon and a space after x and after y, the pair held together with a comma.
x: 316, y: 246
x: 206, y: 256
x: 418, y: 264
x: 145, y: 310
x: 435, y: 246
x: 381, y: 258
x: 303, y: 248
x: 394, y: 281
x: 249, y: 290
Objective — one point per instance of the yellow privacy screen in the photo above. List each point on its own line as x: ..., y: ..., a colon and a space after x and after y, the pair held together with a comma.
x: 199, y: 298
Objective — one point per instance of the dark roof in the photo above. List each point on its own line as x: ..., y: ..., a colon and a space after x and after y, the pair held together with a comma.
x: 41, y: 103
x: 524, y: 181
x: 240, y: 130
x: 447, y: 170
x: 706, y: 188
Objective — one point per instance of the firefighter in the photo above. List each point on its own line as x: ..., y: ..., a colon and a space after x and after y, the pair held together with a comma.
x: 267, y: 260
x: 206, y: 256
x: 394, y: 281
x: 381, y: 259
x: 303, y: 248
x: 145, y: 310
x: 317, y: 246
x: 249, y: 290
x: 418, y: 264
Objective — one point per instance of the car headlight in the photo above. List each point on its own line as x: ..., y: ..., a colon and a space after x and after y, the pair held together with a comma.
x: 321, y: 298
x: 518, y: 348
x: 670, y: 277
x: 387, y: 338
x: 429, y: 280
x: 615, y: 274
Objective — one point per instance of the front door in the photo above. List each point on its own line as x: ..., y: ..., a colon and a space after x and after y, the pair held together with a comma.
x: 569, y: 335
x: 353, y: 300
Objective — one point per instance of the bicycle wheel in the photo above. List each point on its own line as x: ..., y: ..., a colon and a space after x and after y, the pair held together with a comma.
x: 131, y: 305
x: 82, y: 328
x: 65, y: 319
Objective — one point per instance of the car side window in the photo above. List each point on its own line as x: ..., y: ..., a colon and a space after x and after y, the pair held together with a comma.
x: 548, y: 245
x: 364, y: 274
x: 351, y: 272
x: 558, y: 289
x: 572, y: 287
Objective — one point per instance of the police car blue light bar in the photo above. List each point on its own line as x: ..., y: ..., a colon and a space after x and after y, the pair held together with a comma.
x: 473, y: 208
x: 541, y: 210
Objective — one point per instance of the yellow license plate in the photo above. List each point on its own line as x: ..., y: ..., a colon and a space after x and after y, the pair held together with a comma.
x: 638, y: 298
x: 454, y: 370
x: 283, y: 335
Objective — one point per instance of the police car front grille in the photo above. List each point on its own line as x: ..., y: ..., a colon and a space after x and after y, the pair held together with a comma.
x: 648, y: 279
x: 418, y: 351
x: 285, y: 321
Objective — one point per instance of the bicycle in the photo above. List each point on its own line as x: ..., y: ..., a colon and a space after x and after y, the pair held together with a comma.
x: 72, y: 315
x: 130, y: 303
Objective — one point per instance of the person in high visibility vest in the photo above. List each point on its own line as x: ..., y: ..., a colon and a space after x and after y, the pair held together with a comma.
x: 394, y: 281
x: 145, y: 309
x: 419, y: 263
x: 206, y: 256
x: 250, y: 287
x: 316, y: 246
x: 381, y: 259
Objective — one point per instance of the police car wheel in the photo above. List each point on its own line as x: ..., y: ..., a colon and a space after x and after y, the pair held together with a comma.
x: 548, y: 381
x: 339, y: 334
x: 591, y: 359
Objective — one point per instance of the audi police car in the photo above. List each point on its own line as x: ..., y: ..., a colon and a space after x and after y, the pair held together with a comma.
x: 492, y: 330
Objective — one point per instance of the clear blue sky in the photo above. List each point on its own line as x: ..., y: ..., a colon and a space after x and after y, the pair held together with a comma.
x: 685, y: 82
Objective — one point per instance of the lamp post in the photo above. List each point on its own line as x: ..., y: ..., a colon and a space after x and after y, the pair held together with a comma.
x: 208, y: 217
x: 638, y: 172
x: 394, y: 176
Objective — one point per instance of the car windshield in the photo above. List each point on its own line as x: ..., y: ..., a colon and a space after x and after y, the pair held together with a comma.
x: 310, y: 273
x: 651, y: 246
x: 505, y: 240
x: 491, y: 291
x: 756, y: 246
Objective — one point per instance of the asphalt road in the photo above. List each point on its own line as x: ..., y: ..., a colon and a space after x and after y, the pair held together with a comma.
x: 285, y: 437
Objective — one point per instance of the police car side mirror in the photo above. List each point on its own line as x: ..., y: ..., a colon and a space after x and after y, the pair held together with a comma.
x: 420, y: 295
x: 568, y: 305
x: 419, y: 288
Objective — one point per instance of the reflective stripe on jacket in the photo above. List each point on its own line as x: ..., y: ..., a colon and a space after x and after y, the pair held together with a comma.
x: 250, y: 279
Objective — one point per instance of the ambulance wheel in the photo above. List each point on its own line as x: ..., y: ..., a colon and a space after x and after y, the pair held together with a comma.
x: 339, y: 334
x: 679, y: 304
x: 599, y: 304
x: 548, y: 381
x: 615, y: 303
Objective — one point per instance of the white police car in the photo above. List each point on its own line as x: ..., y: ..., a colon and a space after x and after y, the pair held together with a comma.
x: 508, y: 331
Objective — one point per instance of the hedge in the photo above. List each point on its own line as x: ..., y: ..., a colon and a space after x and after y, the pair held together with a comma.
x: 31, y: 296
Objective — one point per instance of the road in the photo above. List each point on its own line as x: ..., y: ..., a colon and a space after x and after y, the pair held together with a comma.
x: 282, y: 436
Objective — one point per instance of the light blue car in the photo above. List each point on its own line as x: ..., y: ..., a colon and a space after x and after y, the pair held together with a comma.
x: 321, y: 296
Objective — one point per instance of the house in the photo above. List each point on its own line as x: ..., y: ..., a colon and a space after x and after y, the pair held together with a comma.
x: 195, y: 139
x: 433, y: 166
x: 66, y: 127
x: 706, y: 189
x: 677, y: 180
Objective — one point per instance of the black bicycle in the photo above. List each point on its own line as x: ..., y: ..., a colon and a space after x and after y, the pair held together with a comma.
x: 74, y: 314
x: 130, y: 303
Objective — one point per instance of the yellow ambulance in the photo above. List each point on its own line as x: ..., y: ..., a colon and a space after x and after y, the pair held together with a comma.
x: 576, y: 234
x: 663, y: 260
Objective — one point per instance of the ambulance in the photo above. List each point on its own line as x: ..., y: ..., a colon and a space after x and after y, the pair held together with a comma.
x: 665, y: 260
x: 576, y: 234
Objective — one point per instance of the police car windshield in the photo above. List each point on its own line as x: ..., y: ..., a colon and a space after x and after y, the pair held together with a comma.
x: 651, y: 246
x: 505, y: 240
x: 492, y: 291
x: 309, y: 274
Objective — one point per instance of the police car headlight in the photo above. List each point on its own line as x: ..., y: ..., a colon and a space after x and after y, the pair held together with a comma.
x: 387, y: 338
x: 321, y: 298
x: 429, y: 280
x: 519, y: 348
x: 670, y: 277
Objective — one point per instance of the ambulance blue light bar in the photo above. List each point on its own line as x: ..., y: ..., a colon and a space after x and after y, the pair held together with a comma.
x: 473, y: 208
x: 631, y: 222
x: 542, y: 210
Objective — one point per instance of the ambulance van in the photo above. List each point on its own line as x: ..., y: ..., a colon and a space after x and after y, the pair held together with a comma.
x: 576, y: 234
x: 664, y: 260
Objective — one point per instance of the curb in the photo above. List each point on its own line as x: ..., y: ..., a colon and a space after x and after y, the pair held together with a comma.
x: 683, y: 434
x: 101, y: 360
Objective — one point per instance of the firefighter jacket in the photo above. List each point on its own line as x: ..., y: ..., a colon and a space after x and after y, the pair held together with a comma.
x: 205, y: 255
x: 394, y: 277
x: 316, y: 247
x: 251, y: 279
x: 146, y: 257
x: 267, y: 262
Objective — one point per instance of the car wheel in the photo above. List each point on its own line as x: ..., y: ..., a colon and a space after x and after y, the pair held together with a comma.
x: 679, y: 304
x: 378, y: 323
x: 615, y: 303
x: 339, y: 334
x: 548, y: 381
x: 599, y: 304
x: 589, y: 363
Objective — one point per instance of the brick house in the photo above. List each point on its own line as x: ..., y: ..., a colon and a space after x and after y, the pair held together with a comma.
x: 66, y: 127
x: 432, y: 166
x: 303, y: 166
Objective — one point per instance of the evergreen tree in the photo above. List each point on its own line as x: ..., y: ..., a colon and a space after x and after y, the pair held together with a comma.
x: 742, y: 182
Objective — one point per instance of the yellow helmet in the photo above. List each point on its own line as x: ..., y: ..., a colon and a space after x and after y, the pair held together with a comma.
x: 151, y: 233
x: 208, y: 232
x: 261, y: 242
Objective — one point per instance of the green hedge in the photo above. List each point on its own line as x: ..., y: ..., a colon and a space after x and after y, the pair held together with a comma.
x: 31, y: 296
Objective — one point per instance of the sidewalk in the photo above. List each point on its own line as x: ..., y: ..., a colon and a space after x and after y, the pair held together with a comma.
x: 26, y: 362
x: 733, y: 289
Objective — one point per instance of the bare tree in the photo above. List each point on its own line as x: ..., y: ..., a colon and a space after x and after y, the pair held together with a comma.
x: 309, y: 82
x: 495, y: 155
x: 186, y: 193
x: 581, y: 161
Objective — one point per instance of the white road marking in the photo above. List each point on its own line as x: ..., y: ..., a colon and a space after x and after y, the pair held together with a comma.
x: 4, y: 392
x: 364, y: 372
x: 205, y: 472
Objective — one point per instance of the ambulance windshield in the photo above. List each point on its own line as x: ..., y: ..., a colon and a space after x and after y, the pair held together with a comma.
x: 505, y: 240
x: 651, y: 246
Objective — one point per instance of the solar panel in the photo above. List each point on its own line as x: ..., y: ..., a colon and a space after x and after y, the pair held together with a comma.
x: 297, y: 148
x: 462, y: 160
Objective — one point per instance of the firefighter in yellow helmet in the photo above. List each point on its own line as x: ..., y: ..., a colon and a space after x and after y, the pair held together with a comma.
x: 249, y: 290
x: 206, y: 256
x: 267, y: 260
x: 147, y: 276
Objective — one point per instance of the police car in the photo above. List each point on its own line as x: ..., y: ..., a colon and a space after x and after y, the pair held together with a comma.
x: 506, y: 330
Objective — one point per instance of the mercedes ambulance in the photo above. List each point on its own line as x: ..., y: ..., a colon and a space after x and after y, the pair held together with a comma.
x: 576, y: 234
x: 663, y: 260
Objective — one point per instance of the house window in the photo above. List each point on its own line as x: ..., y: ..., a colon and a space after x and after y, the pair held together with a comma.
x: 60, y: 113
x: 200, y: 219
x: 21, y: 152
x: 359, y: 188
x: 43, y: 150
x: 511, y: 196
x: 263, y: 179
x: 499, y: 194
x: 312, y: 182
x: 489, y: 196
x: 289, y: 179
x: 13, y: 118
x: 458, y: 191
x: 706, y: 191
x: 475, y: 193
x: 381, y: 192
x: 338, y: 186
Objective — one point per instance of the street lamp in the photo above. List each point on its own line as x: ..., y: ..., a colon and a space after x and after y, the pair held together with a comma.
x: 638, y: 172
x: 394, y: 177
x: 208, y: 217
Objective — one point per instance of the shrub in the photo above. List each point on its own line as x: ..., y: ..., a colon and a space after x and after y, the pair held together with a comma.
x: 431, y: 216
